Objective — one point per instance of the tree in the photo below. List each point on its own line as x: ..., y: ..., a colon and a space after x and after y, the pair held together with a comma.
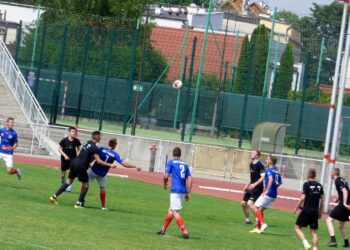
x: 259, y: 43
x: 285, y: 75
x: 242, y: 68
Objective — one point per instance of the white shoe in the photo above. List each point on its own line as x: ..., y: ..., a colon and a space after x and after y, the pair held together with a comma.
x: 104, y: 209
x: 19, y: 174
x: 263, y: 228
x: 307, y: 247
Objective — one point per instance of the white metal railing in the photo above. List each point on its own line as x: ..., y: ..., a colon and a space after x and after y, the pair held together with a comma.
x: 24, y: 96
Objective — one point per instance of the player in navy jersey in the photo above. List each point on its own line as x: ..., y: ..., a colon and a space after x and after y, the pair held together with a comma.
x: 99, y: 172
x: 69, y: 147
x: 312, y: 199
x: 181, y: 184
x: 251, y: 195
x: 78, y: 168
x: 8, y: 143
x: 342, y: 211
x: 272, y: 180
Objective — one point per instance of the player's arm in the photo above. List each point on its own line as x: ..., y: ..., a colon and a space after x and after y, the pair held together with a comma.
x: 345, y: 198
x: 269, y: 184
x: 165, y: 180
x: 301, y: 201
x: 321, y: 206
x: 252, y: 186
x: 99, y: 161
x: 189, y: 187
x: 60, y: 149
x: 15, y: 145
x: 129, y: 165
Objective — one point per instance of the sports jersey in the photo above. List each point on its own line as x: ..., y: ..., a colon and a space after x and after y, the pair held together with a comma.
x: 179, y: 172
x: 256, y: 169
x: 341, y: 183
x: 106, y: 155
x: 69, y: 147
x: 8, y: 138
x: 85, y: 156
x: 313, y: 192
x: 276, y: 181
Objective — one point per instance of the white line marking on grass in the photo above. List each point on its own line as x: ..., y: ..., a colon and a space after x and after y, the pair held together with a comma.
x: 120, y: 176
x: 241, y: 192
x: 17, y: 241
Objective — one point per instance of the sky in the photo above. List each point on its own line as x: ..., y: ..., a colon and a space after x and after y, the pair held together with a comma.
x: 300, y: 7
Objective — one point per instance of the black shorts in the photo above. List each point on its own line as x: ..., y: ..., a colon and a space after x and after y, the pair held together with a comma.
x: 65, y: 165
x: 340, y: 213
x: 307, y: 219
x: 252, y: 195
x: 79, y: 171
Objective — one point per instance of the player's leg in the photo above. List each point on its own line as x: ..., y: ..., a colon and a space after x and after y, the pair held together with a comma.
x: 83, y: 177
x: 314, y: 238
x: 180, y: 222
x: 245, y: 207
x: 344, y: 233
x: 333, y: 241
x: 303, y: 220
x: 301, y: 236
x: 168, y: 219
x: 61, y: 189
x: 9, y: 166
x: 102, y: 181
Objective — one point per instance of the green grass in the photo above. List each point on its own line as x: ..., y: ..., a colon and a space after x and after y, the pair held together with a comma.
x: 137, y: 211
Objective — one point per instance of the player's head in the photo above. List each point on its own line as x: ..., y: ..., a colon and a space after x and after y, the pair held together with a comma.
x: 177, y: 152
x: 335, y: 173
x: 272, y: 160
x: 112, y: 143
x: 255, y: 154
x: 72, y: 131
x: 10, y: 122
x: 96, y: 136
x: 311, y: 174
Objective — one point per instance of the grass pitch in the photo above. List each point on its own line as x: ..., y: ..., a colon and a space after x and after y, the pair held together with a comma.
x: 136, y: 212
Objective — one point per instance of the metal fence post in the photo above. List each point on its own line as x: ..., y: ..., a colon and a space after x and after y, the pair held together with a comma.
x: 83, y: 72
x: 152, y: 162
x: 245, y: 102
x: 301, y: 114
x: 38, y: 72
x: 56, y: 93
x: 319, y: 70
x: 18, y: 39
x: 112, y: 40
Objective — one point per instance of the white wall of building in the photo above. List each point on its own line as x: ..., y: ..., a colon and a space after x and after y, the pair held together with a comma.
x: 19, y: 13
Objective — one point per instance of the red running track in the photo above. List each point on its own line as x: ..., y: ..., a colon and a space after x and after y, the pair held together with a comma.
x: 224, y: 189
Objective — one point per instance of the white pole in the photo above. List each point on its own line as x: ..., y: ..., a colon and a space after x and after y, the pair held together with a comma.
x: 334, y: 95
x: 338, y: 117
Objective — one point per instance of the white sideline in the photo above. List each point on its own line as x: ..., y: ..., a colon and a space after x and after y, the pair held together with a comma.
x: 241, y: 192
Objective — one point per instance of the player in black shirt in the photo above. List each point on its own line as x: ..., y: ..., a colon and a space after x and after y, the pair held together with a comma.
x: 69, y: 147
x: 79, y: 166
x: 313, y: 198
x: 342, y: 211
x: 250, y: 196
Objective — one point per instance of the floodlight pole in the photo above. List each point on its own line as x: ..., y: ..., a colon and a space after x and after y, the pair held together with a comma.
x: 37, y: 23
x: 338, y: 117
x: 320, y: 60
x: 334, y: 94
x: 199, y: 78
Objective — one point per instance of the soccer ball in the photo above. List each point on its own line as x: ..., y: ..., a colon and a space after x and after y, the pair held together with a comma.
x: 177, y: 84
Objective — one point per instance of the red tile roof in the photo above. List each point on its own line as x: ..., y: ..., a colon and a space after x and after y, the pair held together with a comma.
x: 168, y: 40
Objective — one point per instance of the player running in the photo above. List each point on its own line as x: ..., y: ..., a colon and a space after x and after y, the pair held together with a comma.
x: 8, y: 143
x: 250, y: 196
x: 312, y: 196
x: 79, y: 166
x: 180, y: 189
x: 69, y: 148
x: 273, y: 180
x: 99, y: 172
x: 342, y: 211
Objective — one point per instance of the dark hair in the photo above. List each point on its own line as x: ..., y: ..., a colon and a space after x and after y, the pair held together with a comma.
x: 10, y: 119
x: 311, y: 174
x: 71, y: 128
x: 95, y: 134
x: 112, y: 143
x: 337, y: 171
x: 273, y: 159
x: 177, y: 152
